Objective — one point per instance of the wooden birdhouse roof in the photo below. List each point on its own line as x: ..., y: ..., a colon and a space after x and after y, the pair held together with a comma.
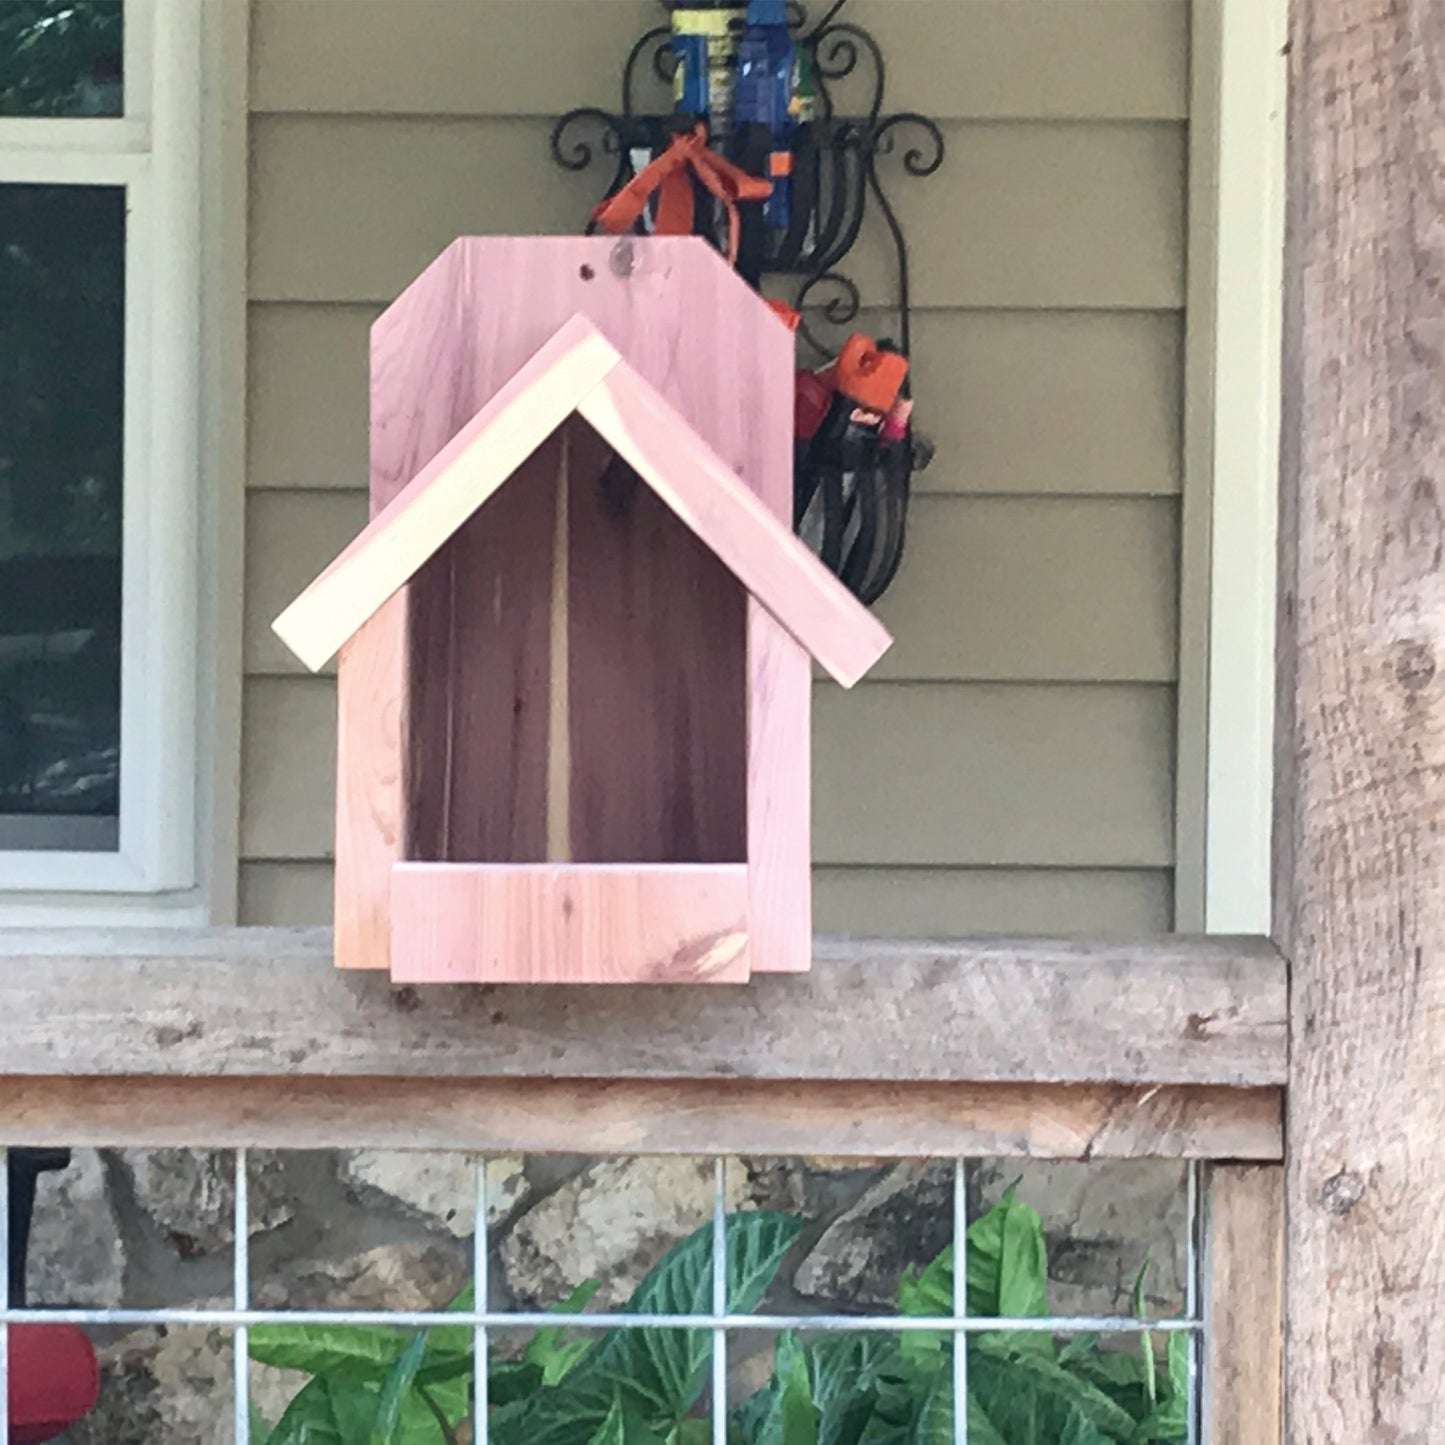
x: 580, y: 372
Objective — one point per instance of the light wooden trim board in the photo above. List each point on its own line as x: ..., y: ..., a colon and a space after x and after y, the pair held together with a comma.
x: 628, y: 1116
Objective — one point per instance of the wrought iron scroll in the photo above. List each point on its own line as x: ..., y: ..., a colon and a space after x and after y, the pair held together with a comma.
x: 854, y: 167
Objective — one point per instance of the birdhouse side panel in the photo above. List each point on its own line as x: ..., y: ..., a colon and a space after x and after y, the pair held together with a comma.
x: 780, y: 847
x: 372, y: 712
x: 658, y: 683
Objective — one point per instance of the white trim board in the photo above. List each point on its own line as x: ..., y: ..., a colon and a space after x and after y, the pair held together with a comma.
x: 1236, y: 241
x: 154, y: 152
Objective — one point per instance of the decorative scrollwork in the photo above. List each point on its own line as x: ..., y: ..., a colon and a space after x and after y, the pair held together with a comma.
x: 839, y: 309
x: 918, y: 160
x: 658, y: 42
x: 838, y: 51
x: 847, y: 158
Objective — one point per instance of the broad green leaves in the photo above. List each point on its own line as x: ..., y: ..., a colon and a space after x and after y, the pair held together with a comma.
x: 642, y: 1386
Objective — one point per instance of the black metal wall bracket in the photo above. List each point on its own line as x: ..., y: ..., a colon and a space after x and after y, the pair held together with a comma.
x: 840, y: 166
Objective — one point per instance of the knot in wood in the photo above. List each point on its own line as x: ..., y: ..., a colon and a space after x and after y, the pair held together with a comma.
x: 624, y: 258
x: 1414, y: 665
x: 1342, y: 1192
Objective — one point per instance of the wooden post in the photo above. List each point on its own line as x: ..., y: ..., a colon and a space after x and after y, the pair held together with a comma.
x: 1360, y: 828
x: 1243, y: 1304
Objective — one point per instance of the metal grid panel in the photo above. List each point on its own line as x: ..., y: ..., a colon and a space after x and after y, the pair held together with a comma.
x: 960, y: 1324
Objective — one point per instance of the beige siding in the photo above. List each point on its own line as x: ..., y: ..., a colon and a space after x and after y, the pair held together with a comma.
x: 1011, y: 766
x: 351, y: 208
x: 989, y: 60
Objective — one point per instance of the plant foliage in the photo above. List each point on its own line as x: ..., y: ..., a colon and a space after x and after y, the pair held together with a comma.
x: 642, y: 1386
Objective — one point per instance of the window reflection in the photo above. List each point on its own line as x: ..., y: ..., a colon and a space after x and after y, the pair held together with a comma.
x: 61, y: 58
x: 62, y: 313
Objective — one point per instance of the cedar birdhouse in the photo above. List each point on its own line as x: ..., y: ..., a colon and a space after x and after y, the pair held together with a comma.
x: 575, y: 636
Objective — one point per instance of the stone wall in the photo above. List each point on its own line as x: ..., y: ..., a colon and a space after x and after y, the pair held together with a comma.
x: 375, y: 1230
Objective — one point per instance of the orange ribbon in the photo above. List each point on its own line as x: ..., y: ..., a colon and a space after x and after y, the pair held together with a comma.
x: 671, y: 176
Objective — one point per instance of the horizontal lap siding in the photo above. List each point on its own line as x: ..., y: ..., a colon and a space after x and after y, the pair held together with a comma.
x: 1010, y: 768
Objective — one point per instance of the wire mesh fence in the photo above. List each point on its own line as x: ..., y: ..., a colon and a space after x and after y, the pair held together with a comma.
x: 960, y: 1329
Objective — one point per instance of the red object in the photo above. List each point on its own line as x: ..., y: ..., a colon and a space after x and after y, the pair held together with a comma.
x: 54, y: 1381
x: 671, y: 176
x: 812, y: 398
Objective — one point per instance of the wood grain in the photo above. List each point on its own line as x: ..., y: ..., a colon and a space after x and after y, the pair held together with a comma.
x: 372, y: 714
x: 759, y: 549
x: 569, y: 923
x: 672, y: 1116
x: 1360, y: 893
x: 780, y: 782
x: 267, y: 1001
x: 1244, y: 1305
x: 658, y: 684
x: 481, y: 669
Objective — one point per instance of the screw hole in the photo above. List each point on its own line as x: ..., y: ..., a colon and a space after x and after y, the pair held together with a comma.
x: 587, y: 273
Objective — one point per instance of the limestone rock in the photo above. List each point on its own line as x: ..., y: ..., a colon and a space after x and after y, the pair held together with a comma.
x: 904, y: 1219
x: 190, y: 1195
x: 77, y: 1254
x: 1102, y: 1220
x: 173, y: 1386
x: 614, y: 1221
x: 437, y: 1187
x: 411, y: 1275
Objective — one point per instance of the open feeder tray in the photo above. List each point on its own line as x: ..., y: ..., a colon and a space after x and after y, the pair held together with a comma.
x: 575, y: 636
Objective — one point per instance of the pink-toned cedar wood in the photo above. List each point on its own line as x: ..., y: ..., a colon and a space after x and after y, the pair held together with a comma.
x: 461, y: 923
x: 730, y: 377
x: 780, y: 871
x: 478, y: 779
x: 657, y: 674
x: 371, y: 759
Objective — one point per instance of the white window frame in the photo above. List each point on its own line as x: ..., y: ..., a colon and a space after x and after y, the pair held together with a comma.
x: 154, y: 152
x: 1232, y: 438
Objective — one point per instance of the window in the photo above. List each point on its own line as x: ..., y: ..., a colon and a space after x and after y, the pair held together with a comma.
x: 99, y: 238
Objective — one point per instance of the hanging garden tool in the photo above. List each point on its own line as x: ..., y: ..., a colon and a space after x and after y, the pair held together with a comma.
x: 756, y: 156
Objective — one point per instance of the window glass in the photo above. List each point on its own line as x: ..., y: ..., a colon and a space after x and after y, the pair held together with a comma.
x: 62, y: 319
x: 61, y: 58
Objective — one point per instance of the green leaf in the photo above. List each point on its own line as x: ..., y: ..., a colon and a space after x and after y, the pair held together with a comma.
x: 548, y: 1348
x: 658, y: 1373
x: 613, y: 1430
x: 326, y: 1349
x: 1180, y: 1350
x: 394, y: 1390
x: 1079, y: 1430
x: 511, y: 1380
x: 791, y: 1418
x: 1148, y: 1368
x: 308, y: 1419
x: 353, y: 1406
x: 1032, y: 1374
x: 260, y: 1430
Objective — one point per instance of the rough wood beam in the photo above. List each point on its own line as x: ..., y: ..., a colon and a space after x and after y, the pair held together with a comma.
x: 1361, y: 883
x: 267, y: 1001
x: 854, y: 1120
x: 1243, y: 1304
